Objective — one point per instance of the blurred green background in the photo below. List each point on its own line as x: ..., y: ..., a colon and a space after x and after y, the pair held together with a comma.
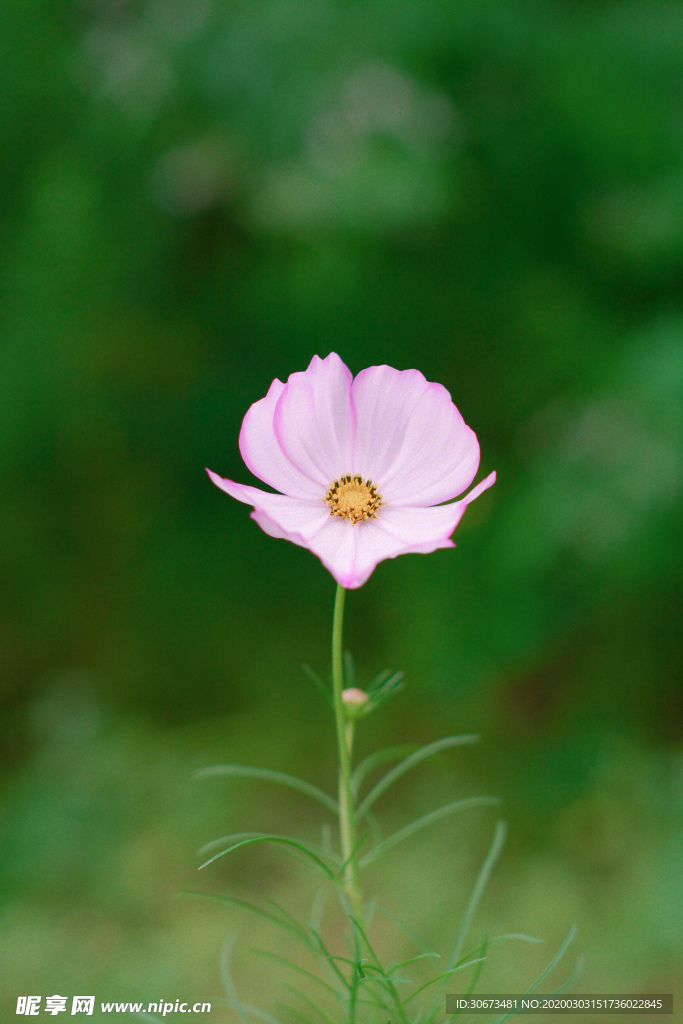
x: 198, y: 195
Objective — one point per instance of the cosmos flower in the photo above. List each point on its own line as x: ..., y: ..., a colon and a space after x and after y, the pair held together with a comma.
x: 362, y: 465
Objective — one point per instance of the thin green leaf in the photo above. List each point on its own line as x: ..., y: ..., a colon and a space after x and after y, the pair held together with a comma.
x: 341, y: 867
x: 317, y: 681
x: 391, y: 681
x: 226, y: 976
x: 488, y: 942
x: 475, y: 977
x: 322, y: 948
x: 351, y: 962
x: 285, y: 914
x: 571, y: 935
x: 326, y: 839
x: 318, y: 908
x: 353, y: 997
x: 390, y: 986
x: 482, y: 948
x: 414, y: 759
x: 380, y: 678
x: 232, y: 837
x: 425, y: 821
x: 415, y: 939
x: 544, y: 974
x: 377, y: 975
x: 244, y: 771
x: 387, y: 688
x: 377, y: 996
x: 515, y: 935
x: 479, y: 886
x: 412, y: 959
x: 237, y: 837
x: 359, y: 966
x: 291, y: 925
x: 309, y: 937
x: 284, y: 841
x: 557, y: 957
x: 372, y: 761
x: 369, y: 916
x: 299, y: 970
x: 300, y: 1017
x: 440, y: 977
x: 572, y: 977
x: 348, y: 960
x: 311, y: 1002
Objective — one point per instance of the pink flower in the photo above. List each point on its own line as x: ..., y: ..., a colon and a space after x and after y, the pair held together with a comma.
x: 362, y: 465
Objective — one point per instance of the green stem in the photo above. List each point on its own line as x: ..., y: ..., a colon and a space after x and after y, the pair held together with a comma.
x: 347, y: 821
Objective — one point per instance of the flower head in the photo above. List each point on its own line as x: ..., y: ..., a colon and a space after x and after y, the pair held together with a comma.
x: 362, y: 465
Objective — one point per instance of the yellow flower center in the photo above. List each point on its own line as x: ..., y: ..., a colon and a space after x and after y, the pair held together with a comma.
x: 353, y: 498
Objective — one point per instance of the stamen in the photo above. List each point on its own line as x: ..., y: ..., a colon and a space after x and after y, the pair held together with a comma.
x: 353, y: 498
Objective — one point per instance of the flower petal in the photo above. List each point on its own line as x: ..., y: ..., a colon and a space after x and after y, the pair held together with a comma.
x: 403, y: 531
x: 383, y: 399
x: 306, y: 523
x: 400, y: 531
x: 335, y: 546
x: 410, y: 438
x: 482, y: 486
x: 351, y: 552
x: 262, y: 453
x: 299, y: 518
x: 424, y: 529
x: 314, y: 420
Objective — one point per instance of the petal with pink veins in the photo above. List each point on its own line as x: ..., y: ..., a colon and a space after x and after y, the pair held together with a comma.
x: 300, y: 516
x: 402, y: 531
x: 314, y: 420
x: 334, y: 544
x: 383, y: 399
x: 411, y: 437
x: 352, y: 552
x: 262, y: 453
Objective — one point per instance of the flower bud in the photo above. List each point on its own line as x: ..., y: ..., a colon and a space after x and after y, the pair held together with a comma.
x: 354, y: 699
